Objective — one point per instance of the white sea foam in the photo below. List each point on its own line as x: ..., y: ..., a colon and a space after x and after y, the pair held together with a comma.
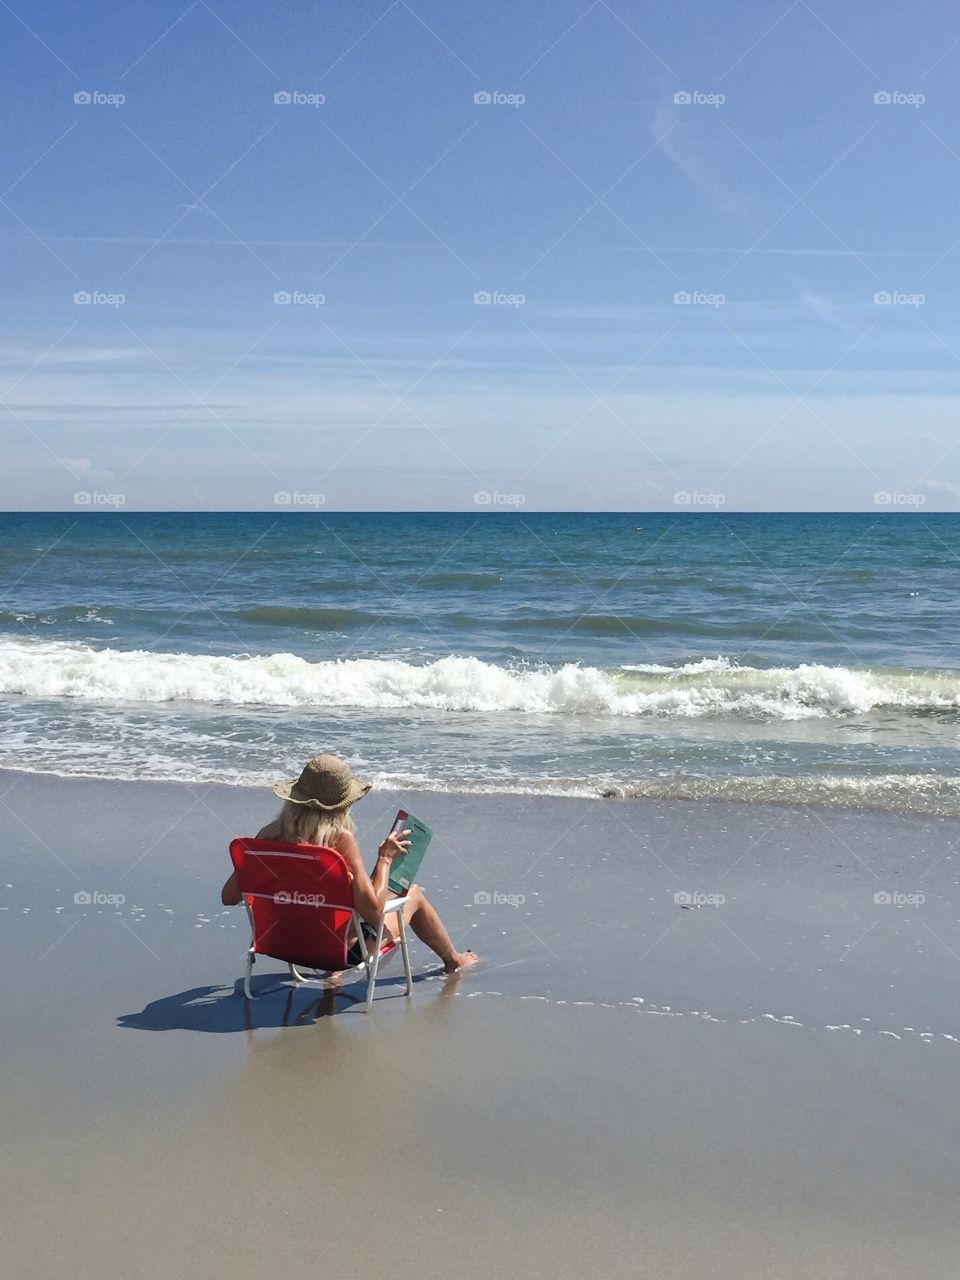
x: 710, y: 688
x: 684, y: 669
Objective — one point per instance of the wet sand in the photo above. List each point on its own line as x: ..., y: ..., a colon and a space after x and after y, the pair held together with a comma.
x: 763, y: 1085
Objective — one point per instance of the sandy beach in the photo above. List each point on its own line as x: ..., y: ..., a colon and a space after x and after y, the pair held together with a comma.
x: 754, y: 1081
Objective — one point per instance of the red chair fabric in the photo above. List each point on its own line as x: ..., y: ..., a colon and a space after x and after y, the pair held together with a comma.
x: 299, y: 898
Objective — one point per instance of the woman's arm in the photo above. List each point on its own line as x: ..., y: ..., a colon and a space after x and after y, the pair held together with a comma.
x: 370, y: 892
x: 230, y: 894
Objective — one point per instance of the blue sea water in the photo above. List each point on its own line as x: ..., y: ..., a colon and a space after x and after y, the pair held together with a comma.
x: 810, y: 658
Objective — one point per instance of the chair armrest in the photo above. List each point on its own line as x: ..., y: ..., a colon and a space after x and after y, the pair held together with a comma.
x: 395, y: 904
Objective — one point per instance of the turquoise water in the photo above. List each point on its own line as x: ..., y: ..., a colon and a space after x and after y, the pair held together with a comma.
x: 802, y: 657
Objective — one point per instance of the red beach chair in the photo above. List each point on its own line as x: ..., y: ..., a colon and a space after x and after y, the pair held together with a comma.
x: 299, y: 901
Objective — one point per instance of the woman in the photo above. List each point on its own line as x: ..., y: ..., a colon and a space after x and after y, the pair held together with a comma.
x: 316, y: 811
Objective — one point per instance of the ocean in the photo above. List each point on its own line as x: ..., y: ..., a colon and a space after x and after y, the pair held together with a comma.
x: 800, y: 658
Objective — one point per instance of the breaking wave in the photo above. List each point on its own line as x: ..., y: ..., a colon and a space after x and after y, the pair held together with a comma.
x: 713, y: 688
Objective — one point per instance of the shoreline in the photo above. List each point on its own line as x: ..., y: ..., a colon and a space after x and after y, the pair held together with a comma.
x: 702, y: 790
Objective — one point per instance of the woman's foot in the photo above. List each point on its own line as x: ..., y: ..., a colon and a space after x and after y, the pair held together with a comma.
x: 459, y: 961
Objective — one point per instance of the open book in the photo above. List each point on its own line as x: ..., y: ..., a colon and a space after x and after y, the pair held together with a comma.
x: 403, y: 870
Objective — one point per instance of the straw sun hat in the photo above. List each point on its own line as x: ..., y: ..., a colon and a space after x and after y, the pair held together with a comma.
x: 325, y: 783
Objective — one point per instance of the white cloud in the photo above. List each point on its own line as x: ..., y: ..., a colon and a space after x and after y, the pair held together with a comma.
x: 677, y: 143
x: 946, y: 487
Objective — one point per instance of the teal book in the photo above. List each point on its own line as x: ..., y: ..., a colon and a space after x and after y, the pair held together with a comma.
x: 403, y: 870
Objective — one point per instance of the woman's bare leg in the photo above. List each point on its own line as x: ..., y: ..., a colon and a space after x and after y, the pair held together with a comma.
x: 422, y: 918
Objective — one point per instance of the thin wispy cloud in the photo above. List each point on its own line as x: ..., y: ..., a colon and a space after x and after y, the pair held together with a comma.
x: 680, y: 143
x: 825, y: 309
x: 763, y: 252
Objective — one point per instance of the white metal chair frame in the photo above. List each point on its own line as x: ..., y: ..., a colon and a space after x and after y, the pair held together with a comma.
x: 369, y: 964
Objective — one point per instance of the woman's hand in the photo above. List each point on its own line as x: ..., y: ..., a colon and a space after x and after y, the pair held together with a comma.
x: 394, y: 846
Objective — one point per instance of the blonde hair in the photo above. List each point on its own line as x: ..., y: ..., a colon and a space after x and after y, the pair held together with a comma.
x: 302, y: 824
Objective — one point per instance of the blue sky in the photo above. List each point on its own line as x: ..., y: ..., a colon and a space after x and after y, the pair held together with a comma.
x: 584, y: 198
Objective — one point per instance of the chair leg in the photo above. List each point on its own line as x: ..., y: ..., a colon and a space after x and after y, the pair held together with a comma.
x: 372, y: 968
x: 246, y: 977
x: 361, y: 940
x: 406, y: 955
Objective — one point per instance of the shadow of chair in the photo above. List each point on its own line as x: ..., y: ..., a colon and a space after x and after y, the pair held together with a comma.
x: 223, y: 1010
